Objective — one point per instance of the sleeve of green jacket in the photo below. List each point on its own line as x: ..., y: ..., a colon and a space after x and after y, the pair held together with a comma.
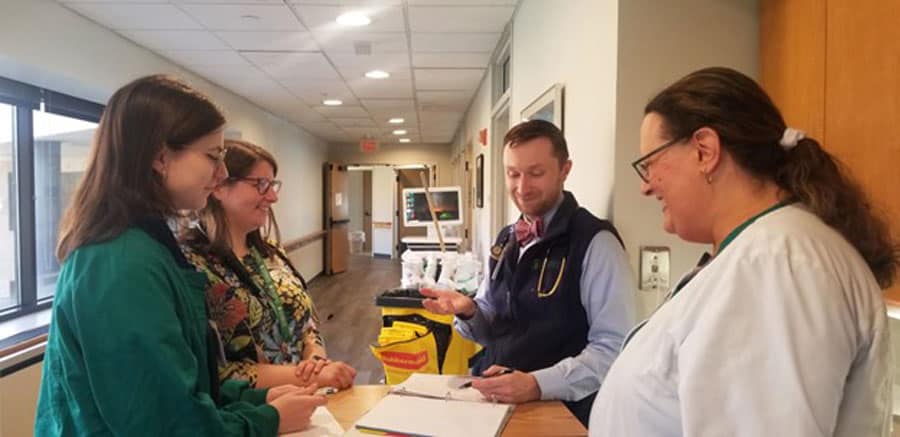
x: 143, y: 372
x: 233, y: 390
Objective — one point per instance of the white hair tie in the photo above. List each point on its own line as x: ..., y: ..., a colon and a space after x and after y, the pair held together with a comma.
x: 791, y: 137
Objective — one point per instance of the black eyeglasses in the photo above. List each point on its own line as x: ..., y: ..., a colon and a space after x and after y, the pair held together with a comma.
x: 642, y: 164
x: 263, y: 185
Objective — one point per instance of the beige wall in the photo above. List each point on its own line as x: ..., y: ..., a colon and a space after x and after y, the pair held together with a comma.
x: 18, y: 401
x: 658, y: 43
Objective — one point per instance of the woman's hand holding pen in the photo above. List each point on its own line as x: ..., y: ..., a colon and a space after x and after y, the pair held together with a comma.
x: 448, y: 302
x: 505, y: 385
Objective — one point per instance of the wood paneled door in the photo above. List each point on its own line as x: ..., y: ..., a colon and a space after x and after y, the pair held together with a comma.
x: 337, y: 218
x: 833, y: 67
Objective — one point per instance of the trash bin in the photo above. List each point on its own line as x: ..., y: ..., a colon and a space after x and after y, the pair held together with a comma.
x: 357, y: 240
x: 415, y: 340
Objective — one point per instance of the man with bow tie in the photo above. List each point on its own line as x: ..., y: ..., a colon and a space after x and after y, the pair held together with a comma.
x: 559, y: 298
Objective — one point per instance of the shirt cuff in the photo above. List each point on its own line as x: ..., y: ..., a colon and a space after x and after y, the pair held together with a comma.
x: 471, y: 325
x: 553, y: 384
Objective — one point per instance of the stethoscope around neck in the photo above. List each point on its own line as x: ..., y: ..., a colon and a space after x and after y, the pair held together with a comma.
x: 539, y: 289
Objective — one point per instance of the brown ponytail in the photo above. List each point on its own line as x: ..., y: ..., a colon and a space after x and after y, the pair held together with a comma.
x: 750, y: 128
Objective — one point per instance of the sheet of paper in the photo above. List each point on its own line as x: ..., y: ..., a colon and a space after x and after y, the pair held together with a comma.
x: 439, y: 386
x: 436, y: 417
x: 323, y: 425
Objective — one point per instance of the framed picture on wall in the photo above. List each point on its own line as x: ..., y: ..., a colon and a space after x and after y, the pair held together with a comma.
x: 479, y: 181
x: 547, y: 106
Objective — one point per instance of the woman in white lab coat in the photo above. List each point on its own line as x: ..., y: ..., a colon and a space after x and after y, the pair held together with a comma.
x: 782, y: 330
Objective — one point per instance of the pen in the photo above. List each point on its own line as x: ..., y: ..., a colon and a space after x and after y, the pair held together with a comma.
x: 468, y: 384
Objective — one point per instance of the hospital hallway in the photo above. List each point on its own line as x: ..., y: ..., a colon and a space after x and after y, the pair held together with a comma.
x: 350, y: 321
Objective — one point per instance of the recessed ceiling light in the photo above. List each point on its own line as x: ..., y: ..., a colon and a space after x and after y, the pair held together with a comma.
x: 404, y: 140
x: 354, y: 19
x: 378, y: 74
x: 400, y: 132
x: 332, y: 102
x: 397, y: 120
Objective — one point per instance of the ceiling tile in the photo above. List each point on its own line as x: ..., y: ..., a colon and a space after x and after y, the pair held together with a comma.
x: 372, y: 89
x: 322, y: 18
x: 347, y: 2
x: 448, y: 79
x: 389, y: 104
x: 454, y: 42
x: 298, y: 41
x: 119, y: 16
x: 205, y: 57
x: 313, y: 92
x: 463, y: 2
x: 273, y: 2
x: 451, y: 60
x: 176, y: 39
x: 343, y: 41
x: 459, y: 18
x: 342, y: 111
x: 355, y: 66
x: 281, y: 65
x: 454, y: 99
x: 353, y: 122
x: 244, y: 17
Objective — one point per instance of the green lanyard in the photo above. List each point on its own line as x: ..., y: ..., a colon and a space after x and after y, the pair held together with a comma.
x: 274, y: 299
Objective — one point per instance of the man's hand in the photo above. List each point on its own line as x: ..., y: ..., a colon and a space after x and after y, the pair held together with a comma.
x: 448, y: 302
x: 513, y: 388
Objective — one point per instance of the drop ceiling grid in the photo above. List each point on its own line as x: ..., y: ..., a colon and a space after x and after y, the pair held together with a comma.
x: 284, y: 54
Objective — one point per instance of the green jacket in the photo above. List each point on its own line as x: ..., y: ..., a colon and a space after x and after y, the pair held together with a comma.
x: 127, y: 348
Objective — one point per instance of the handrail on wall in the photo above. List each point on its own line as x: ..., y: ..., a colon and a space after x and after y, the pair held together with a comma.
x: 305, y: 240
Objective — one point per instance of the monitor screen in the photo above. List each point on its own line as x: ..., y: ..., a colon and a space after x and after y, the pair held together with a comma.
x: 445, y: 200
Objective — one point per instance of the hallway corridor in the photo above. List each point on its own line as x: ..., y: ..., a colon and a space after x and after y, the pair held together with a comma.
x: 350, y: 320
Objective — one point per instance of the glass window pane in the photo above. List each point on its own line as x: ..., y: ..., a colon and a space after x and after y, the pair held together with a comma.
x: 9, y: 290
x: 61, y: 148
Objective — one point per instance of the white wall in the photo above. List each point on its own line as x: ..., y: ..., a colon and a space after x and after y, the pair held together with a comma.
x: 355, y: 199
x: 572, y: 42
x: 430, y: 154
x: 45, y: 44
x: 659, y: 42
x: 383, y: 195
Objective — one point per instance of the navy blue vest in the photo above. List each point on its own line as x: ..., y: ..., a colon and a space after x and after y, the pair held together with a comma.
x: 540, y: 318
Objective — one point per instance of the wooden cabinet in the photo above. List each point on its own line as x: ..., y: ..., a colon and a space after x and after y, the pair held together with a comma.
x: 833, y: 67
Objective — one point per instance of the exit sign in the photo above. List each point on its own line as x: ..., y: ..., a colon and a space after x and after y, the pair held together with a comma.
x: 368, y: 145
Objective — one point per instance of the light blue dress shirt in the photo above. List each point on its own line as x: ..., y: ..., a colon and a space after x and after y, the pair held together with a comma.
x: 607, y: 294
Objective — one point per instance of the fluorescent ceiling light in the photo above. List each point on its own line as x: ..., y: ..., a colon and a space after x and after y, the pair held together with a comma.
x: 332, y: 102
x: 378, y: 74
x: 400, y: 132
x: 404, y: 140
x: 397, y: 120
x: 354, y: 19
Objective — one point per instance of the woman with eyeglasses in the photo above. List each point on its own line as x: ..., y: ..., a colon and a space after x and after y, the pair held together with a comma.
x: 782, y: 330
x: 258, y: 300
x: 130, y: 350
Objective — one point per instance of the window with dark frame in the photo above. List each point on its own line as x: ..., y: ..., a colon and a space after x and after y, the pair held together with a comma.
x: 45, y: 138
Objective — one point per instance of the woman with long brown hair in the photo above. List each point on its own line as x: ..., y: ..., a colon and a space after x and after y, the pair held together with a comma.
x: 130, y: 350
x: 258, y: 300
x: 782, y: 330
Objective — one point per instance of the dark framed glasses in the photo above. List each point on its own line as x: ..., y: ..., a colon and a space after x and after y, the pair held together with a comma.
x: 263, y: 185
x: 642, y: 164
